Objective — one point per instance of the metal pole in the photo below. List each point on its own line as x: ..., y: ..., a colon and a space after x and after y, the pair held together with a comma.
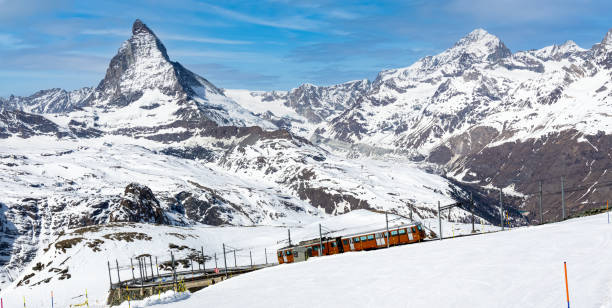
x: 141, y: 278
x: 191, y: 266
x: 541, y: 213
x: 157, y: 267
x: 235, y: 264
x: 224, y: 260
x: 110, y: 278
x: 320, y: 241
x: 216, y: 260
x: 439, y: 222
x: 266, y: 249
x: 151, y: 263
x: 203, y: 261
x: 562, y: 199
x: 289, y: 234
x: 132, y: 263
x: 387, y: 223
x: 118, y: 277
x: 173, y: 271
x: 251, y: 257
x: 501, y: 210
x: 472, y: 210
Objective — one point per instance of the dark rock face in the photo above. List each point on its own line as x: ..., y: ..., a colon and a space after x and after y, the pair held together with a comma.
x: 25, y: 125
x: 139, y: 205
x: 208, y: 209
x: 547, y: 159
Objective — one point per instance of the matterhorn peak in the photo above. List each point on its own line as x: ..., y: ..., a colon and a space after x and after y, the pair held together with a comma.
x: 139, y: 27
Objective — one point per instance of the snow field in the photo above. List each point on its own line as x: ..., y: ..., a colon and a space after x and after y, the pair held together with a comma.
x: 518, y: 268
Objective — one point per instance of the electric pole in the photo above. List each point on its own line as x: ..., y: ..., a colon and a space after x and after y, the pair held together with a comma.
x: 387, y: 234
x: 320, y: 240
x: 562, y: 199
x: 501, y: 209
x: 472, y: 210
x: 541, y: 214
x: 225, y: 260
x: 439, y: 222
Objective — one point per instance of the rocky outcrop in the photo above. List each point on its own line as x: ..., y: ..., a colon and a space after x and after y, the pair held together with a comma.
x: 139, y: 205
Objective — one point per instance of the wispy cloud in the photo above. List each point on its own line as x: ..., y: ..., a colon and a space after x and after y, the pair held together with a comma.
x: 295, y: 22
x: 200, y: 39
x: 8, y: 41
x: 170, y: 37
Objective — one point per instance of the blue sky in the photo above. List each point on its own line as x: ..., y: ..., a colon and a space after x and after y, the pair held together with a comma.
x: 272, y: 44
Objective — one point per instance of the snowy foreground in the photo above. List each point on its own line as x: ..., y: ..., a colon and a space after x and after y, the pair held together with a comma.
x: 86, y: 261
x: 518, y: 268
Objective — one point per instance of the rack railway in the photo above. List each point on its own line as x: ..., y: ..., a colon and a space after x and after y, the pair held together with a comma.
x: 368, y: 240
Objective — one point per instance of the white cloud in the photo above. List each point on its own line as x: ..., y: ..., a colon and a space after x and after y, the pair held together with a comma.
x: 292, y: 23
x: 164, y: 36
x: 8, y: 41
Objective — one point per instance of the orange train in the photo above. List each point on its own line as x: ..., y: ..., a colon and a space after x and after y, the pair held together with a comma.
x: 368, y: 240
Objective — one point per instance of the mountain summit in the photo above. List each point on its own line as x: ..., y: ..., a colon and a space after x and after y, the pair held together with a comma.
x: 141, y: 64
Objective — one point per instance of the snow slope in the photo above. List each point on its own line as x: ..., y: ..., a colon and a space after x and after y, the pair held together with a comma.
x: 86, y: 261
x: 520, y: 268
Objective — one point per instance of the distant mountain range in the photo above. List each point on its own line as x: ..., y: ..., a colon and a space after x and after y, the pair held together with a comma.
x: 154, y: 142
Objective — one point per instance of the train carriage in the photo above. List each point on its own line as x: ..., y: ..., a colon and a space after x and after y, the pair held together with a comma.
x: 369, y: 240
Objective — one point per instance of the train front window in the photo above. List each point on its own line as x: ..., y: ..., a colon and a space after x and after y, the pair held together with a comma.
x: 413, y: 230
x: 420, y: 228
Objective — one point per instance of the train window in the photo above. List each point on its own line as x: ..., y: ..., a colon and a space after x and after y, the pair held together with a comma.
x: 280, y: 254
x: 295, y: 254
x: 345, y: 242
x: 370, y: 237
x: 386, y: 234
x: 419, y: 226
x: 315, y: 247
x: 378, y: 235
x: 394, y: 232
x: 355, y: 240
x: 288, y: 252
x: 413, y: 230
x: 402, y: 231
x: 333, y: 244
x: 363, y: 238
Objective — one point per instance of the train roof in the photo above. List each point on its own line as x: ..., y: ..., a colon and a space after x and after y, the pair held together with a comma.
x: 381, y: 230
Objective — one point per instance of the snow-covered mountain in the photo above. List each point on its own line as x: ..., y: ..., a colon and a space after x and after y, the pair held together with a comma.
x: 487, y: 117
x: 156, y: 143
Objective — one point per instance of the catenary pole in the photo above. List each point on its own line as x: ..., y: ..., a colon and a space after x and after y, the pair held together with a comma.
x: 110, y: 278
x: 132, y: 264
x: 266, y: 253
x: 439, y: 222
x: 151, y: 265
x: 251, y: 257
x: 320, y: 241
x: 289, y: 235
x: 157, y: 267
x: 562, y: 199
x: 472, y: 210
x: 235, y: 264
x: 203, y: 260
x: 216, y: 261
x: 224, y: 260
x: 501, y: 209
x: 387, y: 234
x: 118, y: 276
x: 541, y: 213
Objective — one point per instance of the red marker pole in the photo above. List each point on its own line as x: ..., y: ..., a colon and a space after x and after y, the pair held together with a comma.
x: 566, y: 287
